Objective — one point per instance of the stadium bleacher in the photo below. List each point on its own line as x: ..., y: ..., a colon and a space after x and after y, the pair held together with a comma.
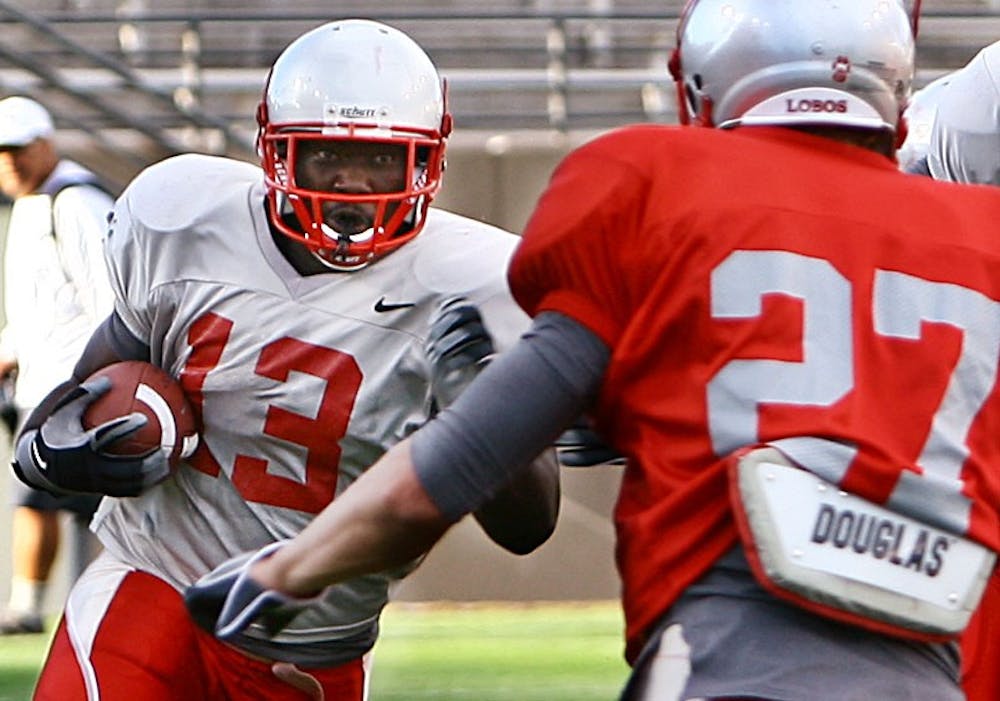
x: 138, y: 79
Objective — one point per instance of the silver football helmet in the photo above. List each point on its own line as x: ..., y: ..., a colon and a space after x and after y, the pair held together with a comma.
x: 795, y: 62
x: 352, y: 80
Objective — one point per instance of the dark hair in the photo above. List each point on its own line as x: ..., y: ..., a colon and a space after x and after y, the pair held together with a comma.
x: 879, y: 140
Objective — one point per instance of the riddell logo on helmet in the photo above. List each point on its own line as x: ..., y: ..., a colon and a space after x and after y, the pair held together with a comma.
x: 816, y: 106
x: 355, y: 112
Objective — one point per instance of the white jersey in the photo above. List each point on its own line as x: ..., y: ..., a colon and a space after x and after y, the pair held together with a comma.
x: 301, y: 382
x: 965, y: 139
x: 919, y: 115
x: 56, y: 290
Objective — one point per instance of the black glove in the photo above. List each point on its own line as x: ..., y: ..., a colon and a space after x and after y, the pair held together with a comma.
x: 63, y: 457
x: 581, y: 446
x: 458, y: 347
x: 226, y: 600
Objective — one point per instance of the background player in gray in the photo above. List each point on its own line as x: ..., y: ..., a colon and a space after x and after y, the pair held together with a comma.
x: 965, y: 140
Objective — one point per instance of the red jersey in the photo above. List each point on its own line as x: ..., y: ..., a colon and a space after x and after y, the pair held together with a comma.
x: 765, y: 284
x: 981, y: 648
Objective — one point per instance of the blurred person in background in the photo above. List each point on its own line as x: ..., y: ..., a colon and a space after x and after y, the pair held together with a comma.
x: 56, y: 292
x: 780, y: 331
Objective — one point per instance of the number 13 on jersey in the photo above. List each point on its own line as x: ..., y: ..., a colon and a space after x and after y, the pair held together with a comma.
x: 319, y: 435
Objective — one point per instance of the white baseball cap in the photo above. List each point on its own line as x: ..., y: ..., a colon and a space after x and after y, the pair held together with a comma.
x: 22, y: 121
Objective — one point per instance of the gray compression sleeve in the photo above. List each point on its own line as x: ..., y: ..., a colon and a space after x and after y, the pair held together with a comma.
x: 512, y: 412
x: 110, y: 343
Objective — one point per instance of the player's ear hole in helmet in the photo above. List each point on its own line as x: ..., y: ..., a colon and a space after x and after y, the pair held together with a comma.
x: 352, y: 82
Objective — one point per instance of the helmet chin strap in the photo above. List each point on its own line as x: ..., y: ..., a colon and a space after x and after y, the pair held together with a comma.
x: 343, y: 241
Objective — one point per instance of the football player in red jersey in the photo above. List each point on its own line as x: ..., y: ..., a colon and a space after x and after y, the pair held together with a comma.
x: 313, y: 312
x: 794, y: 345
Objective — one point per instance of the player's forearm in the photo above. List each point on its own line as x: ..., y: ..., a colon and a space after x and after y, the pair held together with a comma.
x: 383, y: 520
x: 523, y: 514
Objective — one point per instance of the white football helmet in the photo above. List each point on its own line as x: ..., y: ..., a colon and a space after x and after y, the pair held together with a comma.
x: 795, y: 62
x: 353, y: 80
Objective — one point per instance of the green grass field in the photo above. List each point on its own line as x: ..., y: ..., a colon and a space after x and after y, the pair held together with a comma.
x: 20, y: 656
x: 531, y: 652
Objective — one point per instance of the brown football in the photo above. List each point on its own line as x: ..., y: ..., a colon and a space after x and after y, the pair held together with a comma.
x: 145, y: 388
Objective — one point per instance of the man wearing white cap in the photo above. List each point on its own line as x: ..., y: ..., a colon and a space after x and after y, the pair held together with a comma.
x: 56, y: 291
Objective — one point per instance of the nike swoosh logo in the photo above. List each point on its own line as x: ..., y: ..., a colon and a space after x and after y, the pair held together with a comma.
x: 37, y: 457
x: 382, y: 306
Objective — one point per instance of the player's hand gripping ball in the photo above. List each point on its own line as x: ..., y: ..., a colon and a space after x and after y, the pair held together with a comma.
x: 140, y: 387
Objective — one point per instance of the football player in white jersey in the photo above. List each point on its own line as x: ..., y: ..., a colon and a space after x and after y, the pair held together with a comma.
x: 652, y: 265
x: 963, y: 143
x: 965, y: 139
x: 919, y: 115
x: 312, y: 329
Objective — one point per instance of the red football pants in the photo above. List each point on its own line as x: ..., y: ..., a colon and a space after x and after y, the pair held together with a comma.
x: 126, y: 636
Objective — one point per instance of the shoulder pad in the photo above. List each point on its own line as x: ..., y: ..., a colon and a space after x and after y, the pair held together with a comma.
x: 458, y: 255
x: 178, y: 191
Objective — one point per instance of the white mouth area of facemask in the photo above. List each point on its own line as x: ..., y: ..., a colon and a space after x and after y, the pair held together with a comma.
x: 360, y: 237
x: 365, y: 236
